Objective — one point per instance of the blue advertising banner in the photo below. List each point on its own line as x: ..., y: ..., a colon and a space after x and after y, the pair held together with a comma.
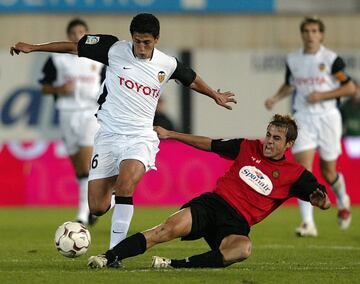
x: 134, y: 6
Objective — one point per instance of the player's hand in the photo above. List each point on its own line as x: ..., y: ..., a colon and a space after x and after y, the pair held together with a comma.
x: 21, y: 47
x: 224, y: 98
x: 314, y: 97
x: 161, y: 132
x: 68, y: 87
x: 269, y: 103
x: 320, y: 199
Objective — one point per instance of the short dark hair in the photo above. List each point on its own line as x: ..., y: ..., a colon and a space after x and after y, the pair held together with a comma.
x: 286, y: 121
x: 145, y: 23
x: 312, y: 20
x: 76, y: 22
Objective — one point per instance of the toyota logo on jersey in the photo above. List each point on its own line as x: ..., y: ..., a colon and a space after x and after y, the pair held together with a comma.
x: 256, y: 179
x: 139, y: 88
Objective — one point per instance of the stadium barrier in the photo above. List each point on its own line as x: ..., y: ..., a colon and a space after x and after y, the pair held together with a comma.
x: 40, y: 174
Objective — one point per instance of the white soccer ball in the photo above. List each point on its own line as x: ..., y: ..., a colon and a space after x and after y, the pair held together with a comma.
x: 72, y: 239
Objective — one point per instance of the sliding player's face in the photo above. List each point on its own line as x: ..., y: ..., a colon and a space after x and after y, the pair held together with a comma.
x: 144, y: 45
x: 76, y: 33
x: 275, y: 143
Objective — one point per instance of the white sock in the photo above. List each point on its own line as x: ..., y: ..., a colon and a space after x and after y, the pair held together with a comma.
x: 339, y: 188
x: 306, y: 212
x: 112, y: 202
x: 121, y: 219
x: 83, y: 209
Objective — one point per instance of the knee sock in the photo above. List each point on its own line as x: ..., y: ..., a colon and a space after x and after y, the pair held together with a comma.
x: 131, y: 246
x: 339, y: 188
x: 83, y: 208
x: 212, y: 258
x: 121, y: 218
x: 306, y: 212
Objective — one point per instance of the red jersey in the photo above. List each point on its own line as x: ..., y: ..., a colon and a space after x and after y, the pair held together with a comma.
x: 255, y: 185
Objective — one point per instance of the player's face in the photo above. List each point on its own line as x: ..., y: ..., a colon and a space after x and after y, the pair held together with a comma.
x: 312, y: 37
x: 144, y: 45
x: 275, y: 143
x: 76, y: 33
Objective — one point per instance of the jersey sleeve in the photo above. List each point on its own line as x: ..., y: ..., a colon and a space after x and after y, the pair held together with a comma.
x: 96, y: 47
x: 227, y: 148
x: 184, y: 74
x: 288, y: 75
x: 305, y: 185
x: 49, y: 71
x: 338, y: 71
x: 103, y: 73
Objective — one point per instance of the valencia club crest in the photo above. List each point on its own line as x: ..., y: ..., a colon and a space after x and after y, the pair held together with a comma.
x: 161, y: 76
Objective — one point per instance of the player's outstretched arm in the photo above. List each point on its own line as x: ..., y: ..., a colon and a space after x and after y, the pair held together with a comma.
x: 283, y: 92
x: 320, y: 199
x: 200, y: 142
x: 59, y: 47
x: 348, y: 89
x: 221, y: 98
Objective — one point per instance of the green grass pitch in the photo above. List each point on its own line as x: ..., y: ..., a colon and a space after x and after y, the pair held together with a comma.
x: 28, y: 255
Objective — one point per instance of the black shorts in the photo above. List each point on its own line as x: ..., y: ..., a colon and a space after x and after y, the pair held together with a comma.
x: 213, y: 219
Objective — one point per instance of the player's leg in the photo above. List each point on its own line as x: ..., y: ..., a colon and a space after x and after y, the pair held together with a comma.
x: 137, y: 157
x: 307, y: 227
x: 104, y: 169
x: 222, y: 228
x: 72, y: 133
x: 86, y: 128
x: 177, y: 225
x: 337, y: 183
x: 81, y: 162
x: 130, y: 174
x: 233, y: 248
x: 100, y: 195
x: 304, y: 151
x: 330, y: 149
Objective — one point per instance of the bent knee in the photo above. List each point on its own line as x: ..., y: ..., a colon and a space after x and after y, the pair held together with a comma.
x: 246, y: 251
x: 125, y: 188
x: 242, y: 253
x: 236, y: 253
x: 98, y: 209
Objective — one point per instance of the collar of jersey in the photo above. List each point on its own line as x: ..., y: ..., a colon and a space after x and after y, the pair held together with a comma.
x: 317, y: 52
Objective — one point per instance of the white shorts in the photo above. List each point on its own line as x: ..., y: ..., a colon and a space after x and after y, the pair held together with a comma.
x: 78, y: 129
x: 322, y: 132
x: 110, y: 149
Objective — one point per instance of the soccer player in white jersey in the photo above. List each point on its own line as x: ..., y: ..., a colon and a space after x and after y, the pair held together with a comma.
x: 126, y: 144
x: 75, y: 83
x: 317, y: 77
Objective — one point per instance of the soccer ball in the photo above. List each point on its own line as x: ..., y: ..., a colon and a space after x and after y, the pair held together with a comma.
x: 72, y: 239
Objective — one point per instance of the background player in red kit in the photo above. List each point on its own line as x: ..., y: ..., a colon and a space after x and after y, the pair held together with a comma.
x: 258, y: 182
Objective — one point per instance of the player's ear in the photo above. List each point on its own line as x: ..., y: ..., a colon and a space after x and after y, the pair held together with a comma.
x: 157, y: 39
x: 289, y: 144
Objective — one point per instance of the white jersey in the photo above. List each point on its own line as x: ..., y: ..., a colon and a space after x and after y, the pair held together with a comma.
x: 61, y: 68
x: 322, y: 71
x: 136, y: 85
x: 132, y: 85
